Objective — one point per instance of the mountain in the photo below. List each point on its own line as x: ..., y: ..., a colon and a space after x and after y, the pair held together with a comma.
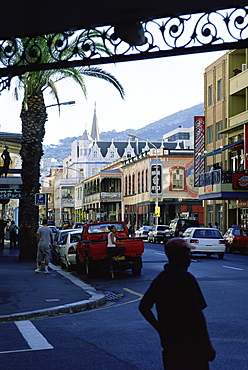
x: 154, y: 131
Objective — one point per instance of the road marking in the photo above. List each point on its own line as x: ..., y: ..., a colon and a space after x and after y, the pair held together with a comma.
x: 233, y: 268
x: 32, y: 336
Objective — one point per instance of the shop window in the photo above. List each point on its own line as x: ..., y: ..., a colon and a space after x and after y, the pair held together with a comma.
x: 210, y: 95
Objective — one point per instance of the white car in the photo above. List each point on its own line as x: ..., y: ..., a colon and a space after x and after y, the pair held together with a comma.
x: 67, y: 249
x: 205, y: 240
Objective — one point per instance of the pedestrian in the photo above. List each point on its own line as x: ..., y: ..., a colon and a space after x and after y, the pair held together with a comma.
x: 45, y: 244
x: 179, y: 303
x: 12, y: 234
x: 6, y: 160
x: 210, y: 225
x: 2, y: 227
x: 216, y: 225
x: 113, y: 250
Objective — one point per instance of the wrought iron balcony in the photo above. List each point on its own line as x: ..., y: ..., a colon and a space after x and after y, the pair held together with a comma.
x: 216, y: 177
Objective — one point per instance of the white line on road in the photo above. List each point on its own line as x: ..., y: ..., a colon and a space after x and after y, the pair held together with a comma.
x: 233, y: 268
x: 34, y: 338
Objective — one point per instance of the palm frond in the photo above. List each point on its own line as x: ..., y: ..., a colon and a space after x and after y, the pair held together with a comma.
x: 100, y: 73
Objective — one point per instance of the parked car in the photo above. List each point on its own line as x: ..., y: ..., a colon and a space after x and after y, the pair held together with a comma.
x: 78, y: 225
x: 54, y: 230
x: 178, y: 226
x: 68, y: 249
x: 156, y: 235
x: 143, y: 231
x: 236, y: 239
x: 58, y: 240
x: 205, y: 240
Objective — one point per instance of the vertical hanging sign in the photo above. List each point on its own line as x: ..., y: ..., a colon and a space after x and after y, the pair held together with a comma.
x: 199, y: 145
x: 246, y: 146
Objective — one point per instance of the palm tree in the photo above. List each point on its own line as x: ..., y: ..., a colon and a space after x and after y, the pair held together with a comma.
x: 34, y: 116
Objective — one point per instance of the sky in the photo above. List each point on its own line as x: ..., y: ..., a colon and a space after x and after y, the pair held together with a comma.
x: 154, y: 89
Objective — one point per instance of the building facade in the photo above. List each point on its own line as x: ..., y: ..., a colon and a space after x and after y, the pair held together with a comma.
x: 223, y: 185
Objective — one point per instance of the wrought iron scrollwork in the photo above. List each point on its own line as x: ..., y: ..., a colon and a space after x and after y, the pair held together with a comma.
x: 219, y: 30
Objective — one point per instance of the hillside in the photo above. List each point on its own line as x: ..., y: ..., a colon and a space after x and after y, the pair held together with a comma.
x: 154, y: 131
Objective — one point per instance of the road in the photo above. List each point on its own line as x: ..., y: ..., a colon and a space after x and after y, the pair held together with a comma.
x: 116, y: 336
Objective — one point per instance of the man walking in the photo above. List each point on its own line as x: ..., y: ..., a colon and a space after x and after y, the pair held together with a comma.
x: 179, y: 303
x: 45, y: 244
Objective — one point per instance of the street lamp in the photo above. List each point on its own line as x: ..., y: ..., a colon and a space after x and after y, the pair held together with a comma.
x: 154, y: 146
x: 72, y: 102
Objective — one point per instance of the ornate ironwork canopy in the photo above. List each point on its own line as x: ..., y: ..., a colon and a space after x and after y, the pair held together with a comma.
x: 128, y: 31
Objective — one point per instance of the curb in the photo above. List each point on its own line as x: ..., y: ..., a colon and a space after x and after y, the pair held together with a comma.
x: 96, y: 300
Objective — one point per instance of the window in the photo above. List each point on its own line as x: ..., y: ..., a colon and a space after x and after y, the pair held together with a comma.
x: 139, y: 182
x: 209, y: 134
x: 112, y: 154
x: 218, y: 128
x: 85, y: 152
x: 178, y: 179
x: 95, y: 154
x: 128, y: 154
x: 133, y: 184
x: 125, y: 186
x: 210, y: 95
x: 142, y: 182
x: 219, y: 89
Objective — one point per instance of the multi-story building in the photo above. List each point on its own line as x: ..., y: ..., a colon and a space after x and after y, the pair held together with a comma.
x: 177, y: 196
x: 181, y: 134
x: 223, y: 186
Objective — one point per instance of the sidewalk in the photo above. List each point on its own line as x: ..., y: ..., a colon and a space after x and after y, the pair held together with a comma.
x: 26, y: 295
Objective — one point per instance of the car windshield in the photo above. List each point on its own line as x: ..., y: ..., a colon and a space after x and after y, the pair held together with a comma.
x: 240, y: 232
x: 207, y: 234
x: 146, y: 227
x: 104, y: 228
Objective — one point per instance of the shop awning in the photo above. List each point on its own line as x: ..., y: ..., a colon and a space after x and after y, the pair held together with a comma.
x: 219, y: 150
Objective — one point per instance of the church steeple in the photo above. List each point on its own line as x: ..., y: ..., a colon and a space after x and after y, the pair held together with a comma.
x: 95, y: 128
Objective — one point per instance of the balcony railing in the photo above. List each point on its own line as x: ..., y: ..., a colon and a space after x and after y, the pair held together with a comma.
x: 216, y: 177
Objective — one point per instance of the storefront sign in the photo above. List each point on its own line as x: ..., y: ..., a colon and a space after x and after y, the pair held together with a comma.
x: 199, y: 141
x: 240, y: 181
x: 156, y: 178
x: 10, y: 193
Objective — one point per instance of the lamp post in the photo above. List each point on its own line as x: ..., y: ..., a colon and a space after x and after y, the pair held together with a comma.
x: 156, y: 149
x: 72, y: 102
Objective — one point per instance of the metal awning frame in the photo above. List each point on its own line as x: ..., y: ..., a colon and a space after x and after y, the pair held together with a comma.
x: 177, y: 35
x: 220, y: 150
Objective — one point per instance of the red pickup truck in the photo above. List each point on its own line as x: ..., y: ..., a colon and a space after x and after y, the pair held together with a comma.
x: 91, y: 250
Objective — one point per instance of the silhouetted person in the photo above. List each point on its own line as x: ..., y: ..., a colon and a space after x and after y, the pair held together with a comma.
x: 179, y: 302
x: 2, y: 227
x: 6, y: 160
x: 12, y: 234
x: 210, y: 225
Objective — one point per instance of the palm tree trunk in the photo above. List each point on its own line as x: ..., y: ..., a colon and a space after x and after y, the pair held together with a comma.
x: 33, y: 131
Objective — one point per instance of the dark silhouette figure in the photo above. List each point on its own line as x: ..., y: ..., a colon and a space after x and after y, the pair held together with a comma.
x: 12, y: 234
x: 210, y: 225
x: 2, y: 227
x: 6, y: 160
x: 179, y: 302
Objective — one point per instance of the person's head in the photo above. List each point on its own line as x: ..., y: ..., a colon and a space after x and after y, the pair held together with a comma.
x: 44, y: 222
x: 112, y: 228
x: 12, y: 222
x: 178, y: 252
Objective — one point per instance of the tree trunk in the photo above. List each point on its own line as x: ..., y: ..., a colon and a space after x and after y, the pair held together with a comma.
x: 33, y: 131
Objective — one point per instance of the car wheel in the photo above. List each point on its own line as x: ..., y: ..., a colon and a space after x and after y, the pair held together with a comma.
x: 221, y: 255
x: 79, y: 266
x: 69, y: 267
x: 208, y: 255
x: 136, y: 271
x: 149, y: 240
x: 62, y: 264
x: 90, y: 267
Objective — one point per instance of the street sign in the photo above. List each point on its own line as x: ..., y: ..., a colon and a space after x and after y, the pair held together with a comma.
x: 40, y: 199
